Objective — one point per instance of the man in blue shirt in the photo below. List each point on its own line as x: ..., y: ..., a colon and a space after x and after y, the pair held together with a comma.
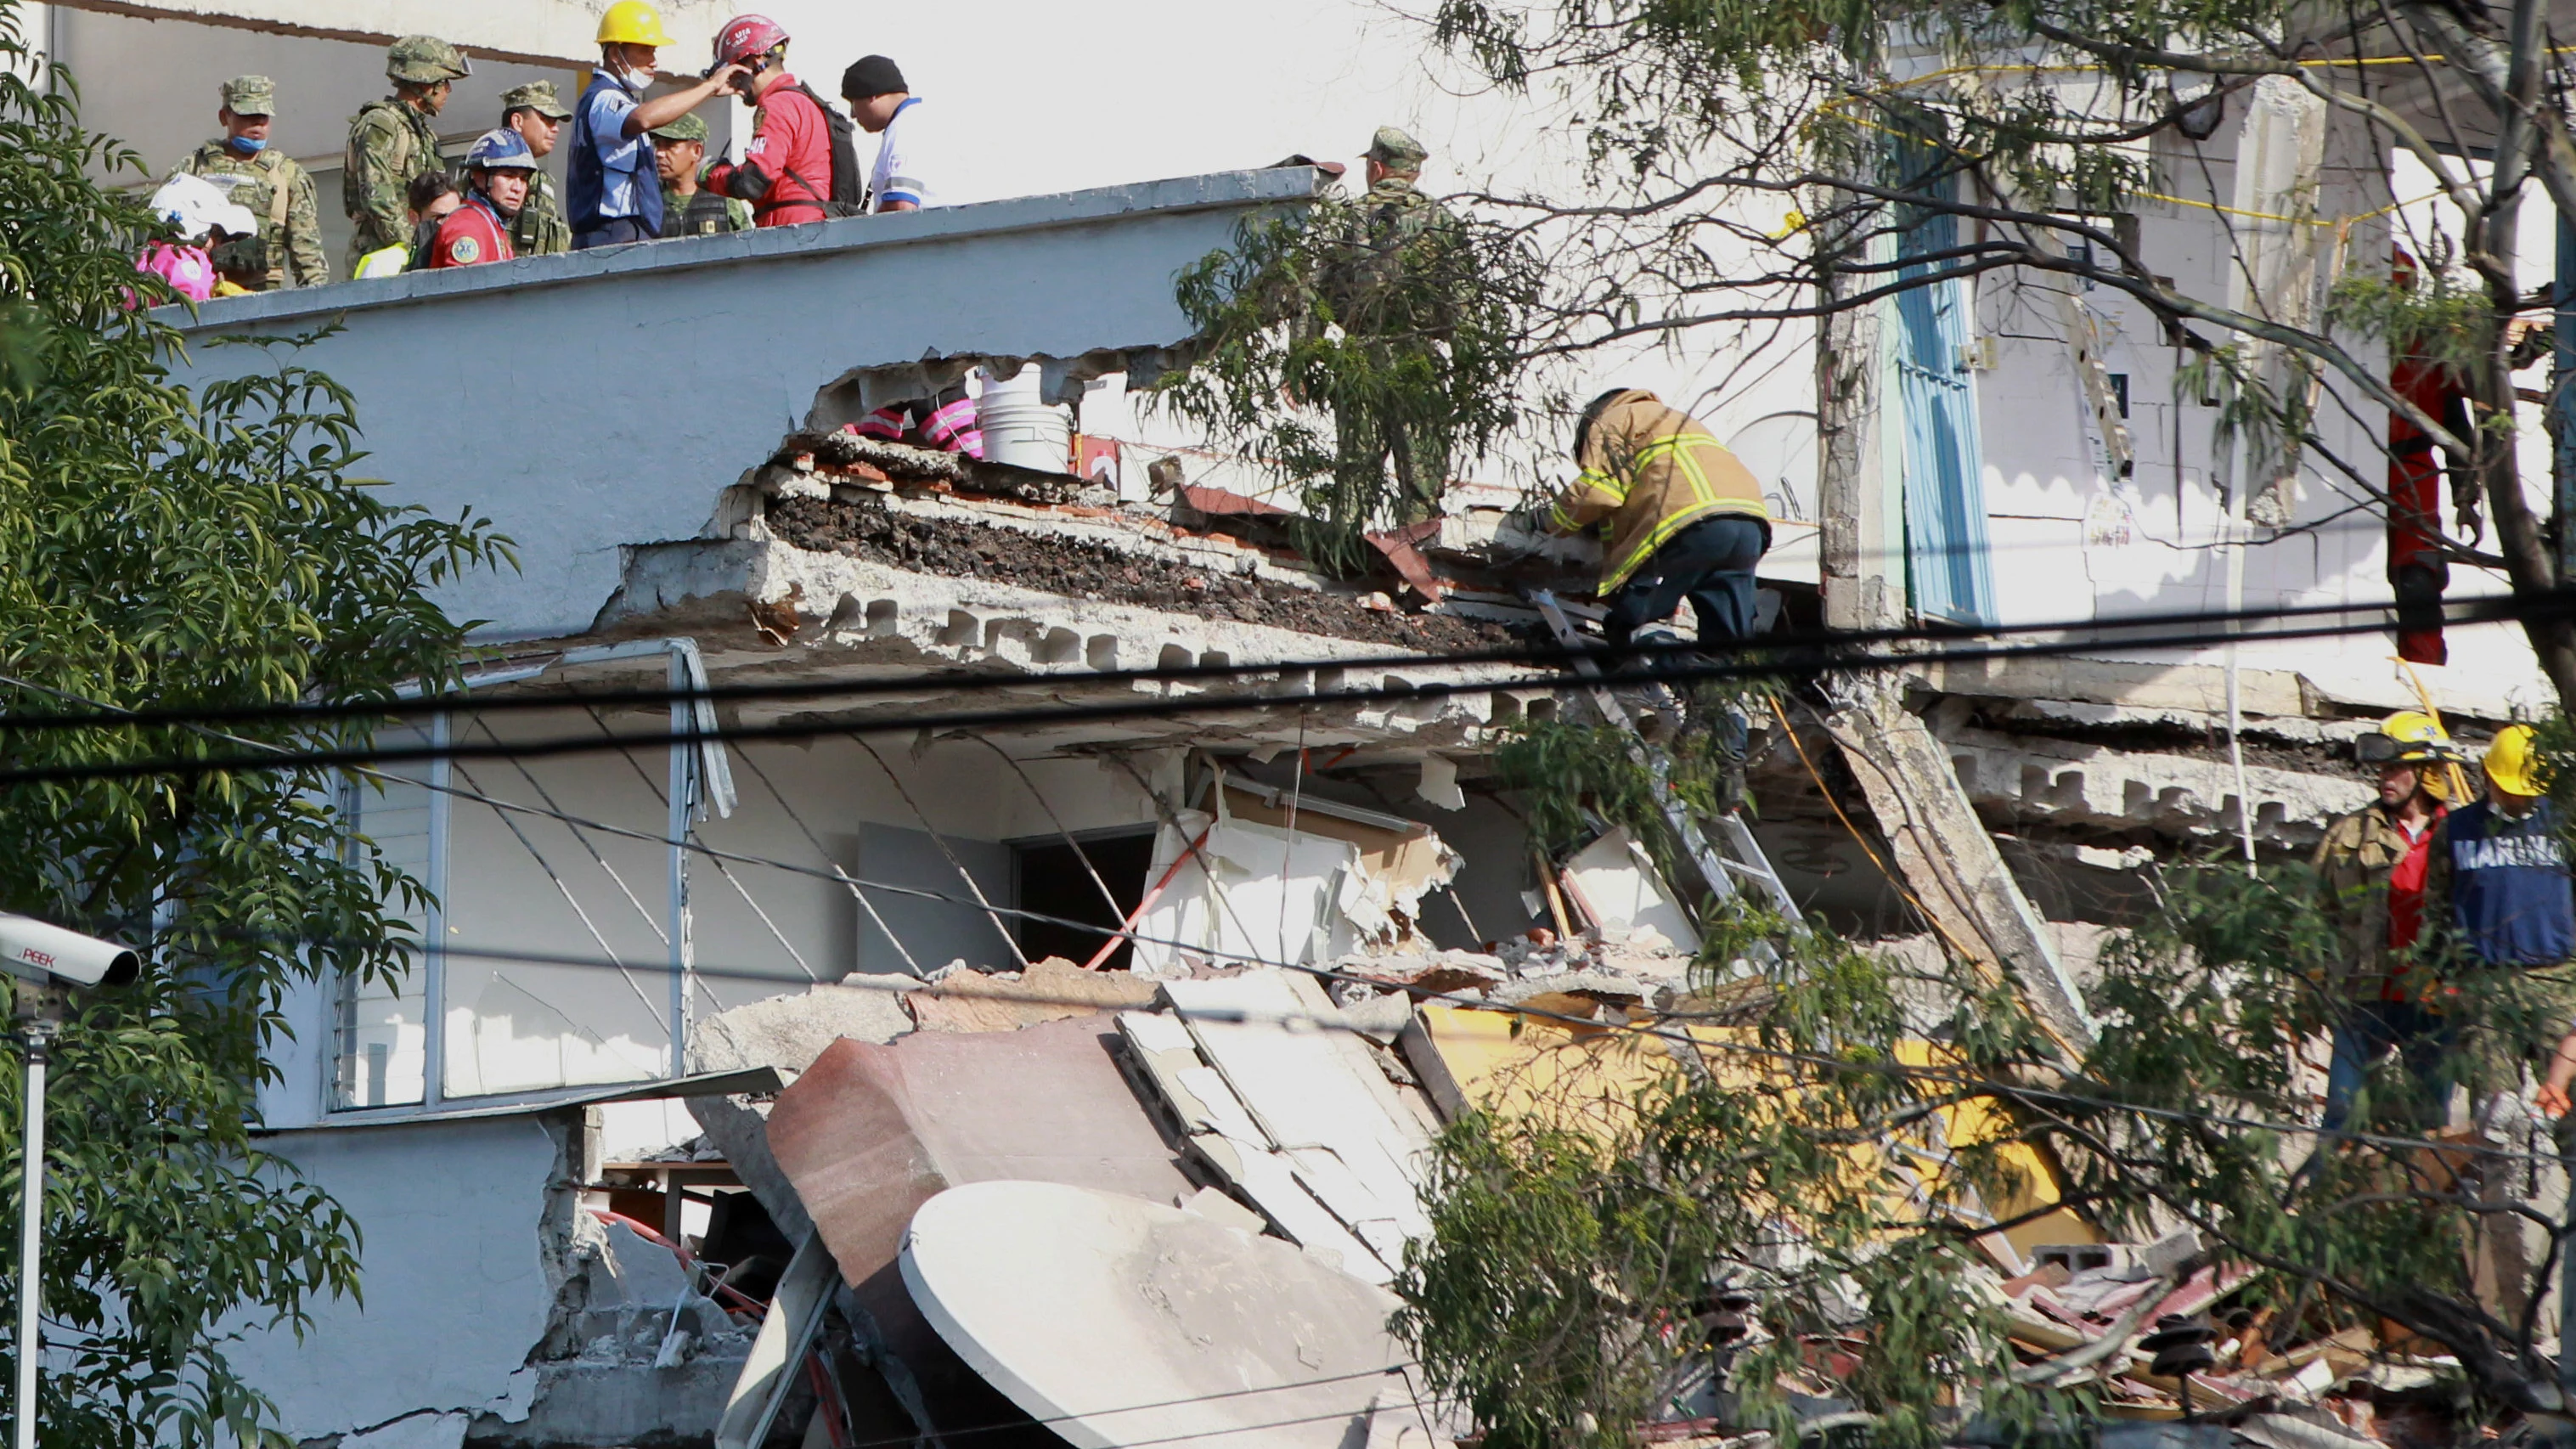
x: 614, y: 190
x: 2499, y: 880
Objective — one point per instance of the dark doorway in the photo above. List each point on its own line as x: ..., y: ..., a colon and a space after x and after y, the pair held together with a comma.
x: 1052, y: 882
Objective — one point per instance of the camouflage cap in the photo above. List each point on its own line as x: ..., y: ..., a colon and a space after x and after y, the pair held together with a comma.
x: 537, y: 96
x: 1395, y: 150
x: 425, y: 60
x: 688, y: 126
x: 251, y: 95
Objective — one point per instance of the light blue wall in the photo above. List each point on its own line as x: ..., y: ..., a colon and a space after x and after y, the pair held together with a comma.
x: 455, y: 1289
x: 587, y: 401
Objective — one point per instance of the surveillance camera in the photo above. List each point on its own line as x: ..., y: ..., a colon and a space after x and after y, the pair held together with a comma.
x: 51, y: 956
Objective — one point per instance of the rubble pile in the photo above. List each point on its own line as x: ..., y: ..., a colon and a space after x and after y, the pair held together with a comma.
x: 966, y: 547
x: 2161, y: 1340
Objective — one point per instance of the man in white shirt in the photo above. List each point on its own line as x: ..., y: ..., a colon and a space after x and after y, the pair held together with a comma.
x: 885, y: 107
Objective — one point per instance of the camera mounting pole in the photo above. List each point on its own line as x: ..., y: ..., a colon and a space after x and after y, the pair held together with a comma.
x: 40, y: 1020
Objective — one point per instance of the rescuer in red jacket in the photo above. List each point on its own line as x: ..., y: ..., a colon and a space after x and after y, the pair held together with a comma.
x: 786, y: 171
x: 2417, y: 570
x: 478, y: 232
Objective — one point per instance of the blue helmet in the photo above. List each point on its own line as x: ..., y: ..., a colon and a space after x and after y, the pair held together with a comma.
x: 500, y: 150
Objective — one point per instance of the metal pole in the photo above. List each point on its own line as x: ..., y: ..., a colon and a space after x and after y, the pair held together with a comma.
x: 2562, y: 400
x: 39, y: 1035
x: 679, y: 800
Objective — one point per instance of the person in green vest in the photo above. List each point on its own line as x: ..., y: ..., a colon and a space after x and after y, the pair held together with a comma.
x: 268, y: 183
x: 688, y: 209
x: 392, y: 140
x: 539, y: 230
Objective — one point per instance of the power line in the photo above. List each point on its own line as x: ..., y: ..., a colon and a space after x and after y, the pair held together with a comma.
x: 2499, y: 610
x: 1970, y: 1082
x: 1985, y: 1086
x: 1533, y: 653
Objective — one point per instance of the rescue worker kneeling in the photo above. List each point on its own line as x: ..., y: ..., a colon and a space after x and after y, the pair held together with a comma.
x: 1684, y: 518
x: 497, y: 169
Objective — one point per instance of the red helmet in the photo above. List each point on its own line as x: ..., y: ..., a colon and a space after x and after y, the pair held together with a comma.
x: 747, y: 36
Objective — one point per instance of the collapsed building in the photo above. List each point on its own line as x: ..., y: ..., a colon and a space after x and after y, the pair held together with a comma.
x: 700, y: 1026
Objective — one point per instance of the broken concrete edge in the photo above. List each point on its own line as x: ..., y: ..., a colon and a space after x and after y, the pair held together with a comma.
x: 1949, y: 860
x: 855, y: 603
x: 816, y: 241
x: 2198, y: 689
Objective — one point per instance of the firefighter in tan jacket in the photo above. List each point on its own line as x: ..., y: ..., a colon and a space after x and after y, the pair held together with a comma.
x: 1683, y: 518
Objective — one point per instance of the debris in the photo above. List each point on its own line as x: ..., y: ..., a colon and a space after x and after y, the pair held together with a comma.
x: 1613, y: 881
x: 1007, y: 1001
x: 1244, y: 884
x: 788, y: 1032
x: 871, y: 1132
x: 1116, y: 1321
x: 1304, y: 1123
x: 956, y: 543
x: 1209, y: 1202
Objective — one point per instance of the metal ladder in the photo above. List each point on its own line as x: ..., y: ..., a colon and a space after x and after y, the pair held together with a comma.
x: 1735, y: 856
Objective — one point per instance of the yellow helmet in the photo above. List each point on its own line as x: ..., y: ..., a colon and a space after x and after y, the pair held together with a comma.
x: 632, y: 22
x: 2513, y: 764
x: 2408, y: 737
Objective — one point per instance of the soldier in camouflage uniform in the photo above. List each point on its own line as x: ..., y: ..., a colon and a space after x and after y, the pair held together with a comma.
x: 1391, y: 279
x: 678, y: 150
x: 391, y: 141
x: 539, y: 230
x: 268, y: 183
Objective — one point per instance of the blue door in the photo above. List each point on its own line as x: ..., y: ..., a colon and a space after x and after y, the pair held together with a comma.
x: 1948, y: 574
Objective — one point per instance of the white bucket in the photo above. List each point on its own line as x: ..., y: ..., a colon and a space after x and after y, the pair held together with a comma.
x: 1021, y: 430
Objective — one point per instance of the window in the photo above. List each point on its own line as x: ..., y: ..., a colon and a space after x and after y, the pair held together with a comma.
x: 1048, y: 877
x: 555, y: 944
x: 380, y: 1048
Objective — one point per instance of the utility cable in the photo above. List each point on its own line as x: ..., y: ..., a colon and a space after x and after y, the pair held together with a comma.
x: 973, y: 887
x: 1981, y: 1085
x: 1961, y: 1080
x: 1396, y: 692
x: 1823, y: 643
x: 835, y: 866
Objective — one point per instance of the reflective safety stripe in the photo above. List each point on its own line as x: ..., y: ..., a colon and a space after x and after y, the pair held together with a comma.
x: 1664, y: 529
x: 1701, y: 500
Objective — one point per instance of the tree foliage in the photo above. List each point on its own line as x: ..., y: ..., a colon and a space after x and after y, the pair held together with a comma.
x: 1842, y: 1127
x: 1362, y: 352
x: 169, y: 548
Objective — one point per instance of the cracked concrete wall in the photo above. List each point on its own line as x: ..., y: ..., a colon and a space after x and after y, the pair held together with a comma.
x: 616, y: 391
x: 456, y: 1292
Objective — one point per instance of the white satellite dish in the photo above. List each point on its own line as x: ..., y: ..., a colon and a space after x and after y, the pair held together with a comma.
x: 1120, y: 1322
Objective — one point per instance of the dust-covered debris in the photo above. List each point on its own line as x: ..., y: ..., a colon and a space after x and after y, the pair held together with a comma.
x: 1079, y: 568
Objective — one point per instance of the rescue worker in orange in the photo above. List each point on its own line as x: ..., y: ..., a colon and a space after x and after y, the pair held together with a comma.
x: 498, y: 167
x: 1683, y: 518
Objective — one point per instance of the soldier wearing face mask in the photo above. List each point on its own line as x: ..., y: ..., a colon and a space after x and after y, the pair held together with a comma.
x: 615, y: 190
x: 270, y: 185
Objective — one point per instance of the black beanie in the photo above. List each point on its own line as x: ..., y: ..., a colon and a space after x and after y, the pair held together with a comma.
x: 871, y: 75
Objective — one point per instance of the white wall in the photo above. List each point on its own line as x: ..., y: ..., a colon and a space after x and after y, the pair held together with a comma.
x: 757, y: 929
x: 532, y: 30
x: 2070, y: 542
